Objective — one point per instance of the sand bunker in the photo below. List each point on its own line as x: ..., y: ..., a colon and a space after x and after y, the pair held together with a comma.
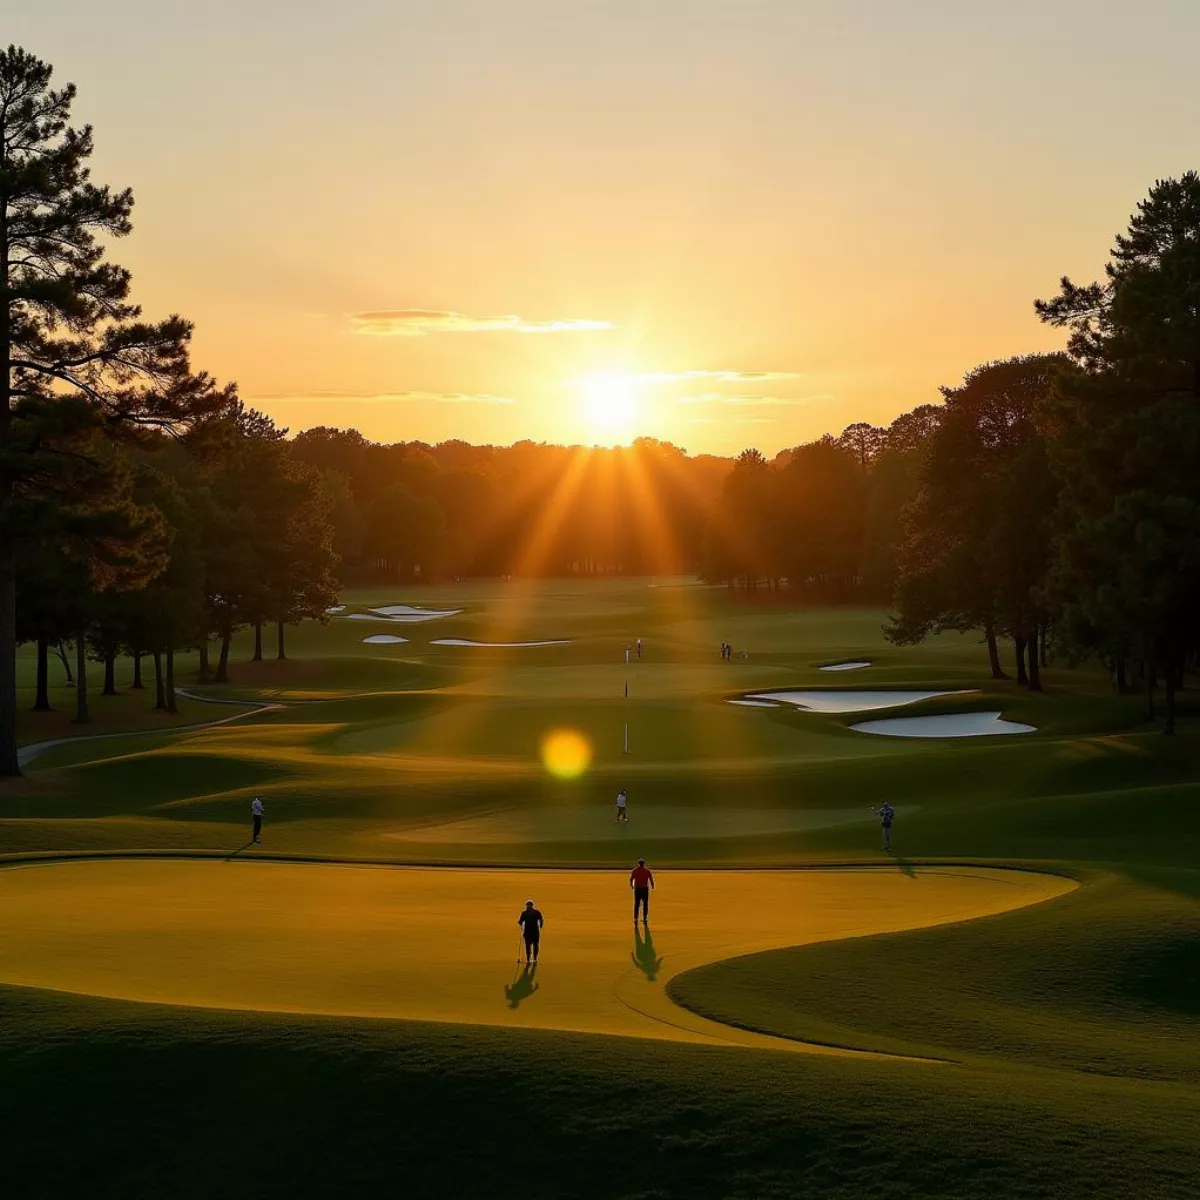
x: 953, y: 725
x: 498, y: 645
x: 401, y: 614
x: 754, y: 703
x: 402, y: 618
x: 439, y: 945
x: 414, y: 613
x: 336, y: 608
x: 845, y: 666
x: 845, y: 702
x: 383, y: 639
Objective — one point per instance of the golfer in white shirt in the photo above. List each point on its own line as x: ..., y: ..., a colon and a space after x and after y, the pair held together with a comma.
x: 256, y: 811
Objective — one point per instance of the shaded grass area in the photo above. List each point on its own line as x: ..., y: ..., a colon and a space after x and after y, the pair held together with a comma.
x: 193, y: 1103
x: 1105, y: 980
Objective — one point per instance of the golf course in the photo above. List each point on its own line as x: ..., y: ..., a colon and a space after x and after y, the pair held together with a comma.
x: 1005, y: 1004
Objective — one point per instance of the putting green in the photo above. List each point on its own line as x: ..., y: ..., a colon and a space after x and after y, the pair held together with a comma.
x: 440, y: 944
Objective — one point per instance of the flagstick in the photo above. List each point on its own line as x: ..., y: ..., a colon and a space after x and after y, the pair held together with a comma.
x: 626, y: 751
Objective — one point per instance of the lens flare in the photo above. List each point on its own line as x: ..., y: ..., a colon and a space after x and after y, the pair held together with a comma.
x: 566, y: 753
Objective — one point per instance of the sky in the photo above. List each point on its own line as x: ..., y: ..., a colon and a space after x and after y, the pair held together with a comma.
x: 725, y: 223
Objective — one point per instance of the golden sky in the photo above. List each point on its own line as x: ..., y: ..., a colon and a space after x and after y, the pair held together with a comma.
x: 722, y: 223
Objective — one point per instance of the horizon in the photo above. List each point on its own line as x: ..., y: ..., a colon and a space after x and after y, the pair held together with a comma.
x: 712, y: 228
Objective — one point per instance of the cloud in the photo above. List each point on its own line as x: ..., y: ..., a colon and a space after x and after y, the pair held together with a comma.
x: 421, y: 322
x: 722, y: 376
x: 754, y: 401
x: 325, y: 397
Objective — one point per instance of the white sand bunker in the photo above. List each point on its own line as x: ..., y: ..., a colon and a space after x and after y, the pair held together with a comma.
x: 497, y: 645
x: 383, y: 639
x: 410, y: 610
x: 857, y: 665
x: 754, y: 703
x: 404, y: 614
x: 844, y: 702
x: 953, y: 725
x: 336, y: 608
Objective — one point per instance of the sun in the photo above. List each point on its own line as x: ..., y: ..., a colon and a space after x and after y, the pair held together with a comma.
x: 610, y: 404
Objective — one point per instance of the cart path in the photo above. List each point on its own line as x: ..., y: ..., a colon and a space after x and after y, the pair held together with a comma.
x: 26, y: 754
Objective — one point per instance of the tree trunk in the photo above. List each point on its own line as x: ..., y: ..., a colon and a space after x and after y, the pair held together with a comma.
x: 1150, y: 682
x: 110, y: 673
x: 172, y: 707
x: 258, y: 641
x: 1019, y: 643
x: 66, y: 662
x: 205, y: 669
x: 81, y: 692
x: 160, y: 692
x: 41, y: 702
x: 9, y: 765
x: 1043, y: 647
x: 989, y: 632
x: 280, y: 651
x: 223, y: 662
x: 1120, y: 677
x: 1169, y: 727
x: 1035, y: 670
x: 137, y: 670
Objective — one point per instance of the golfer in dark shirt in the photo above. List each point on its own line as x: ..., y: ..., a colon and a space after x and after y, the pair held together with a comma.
x: 531, y: 924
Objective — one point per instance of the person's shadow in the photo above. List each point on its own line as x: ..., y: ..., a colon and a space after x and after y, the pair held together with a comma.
x: 522, y: 987
x: 643, y: 954
x: 234, y: 853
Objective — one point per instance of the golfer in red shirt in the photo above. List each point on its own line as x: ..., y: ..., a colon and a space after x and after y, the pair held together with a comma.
x: 641, y: 879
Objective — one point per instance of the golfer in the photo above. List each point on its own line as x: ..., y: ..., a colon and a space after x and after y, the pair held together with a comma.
x: 639, y: 647
x: 531, y: 926
x: 256, y: 811
x: 885, y: 813
x: 622, y: 806
x: 641, y: 879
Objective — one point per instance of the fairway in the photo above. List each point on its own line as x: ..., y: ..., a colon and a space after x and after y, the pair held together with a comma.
x: 440, y: 944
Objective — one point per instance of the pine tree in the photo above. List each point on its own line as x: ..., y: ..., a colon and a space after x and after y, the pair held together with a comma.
x: 75, y: 355
x: 1129, y: 416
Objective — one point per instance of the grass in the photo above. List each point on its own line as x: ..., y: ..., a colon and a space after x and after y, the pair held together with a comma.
x: 1072, y: 1025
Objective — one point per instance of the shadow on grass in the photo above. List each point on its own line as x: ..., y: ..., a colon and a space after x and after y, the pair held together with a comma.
x: 643, y: 954
x: 906, y: 867
x: 522, y: 987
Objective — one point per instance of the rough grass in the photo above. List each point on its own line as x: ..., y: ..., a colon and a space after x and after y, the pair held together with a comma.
x: 131, y: 1101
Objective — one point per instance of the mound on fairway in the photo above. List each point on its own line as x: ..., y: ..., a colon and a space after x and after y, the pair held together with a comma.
x: 847, y: 702
x: 442, y: 944
x: 951, y: 725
